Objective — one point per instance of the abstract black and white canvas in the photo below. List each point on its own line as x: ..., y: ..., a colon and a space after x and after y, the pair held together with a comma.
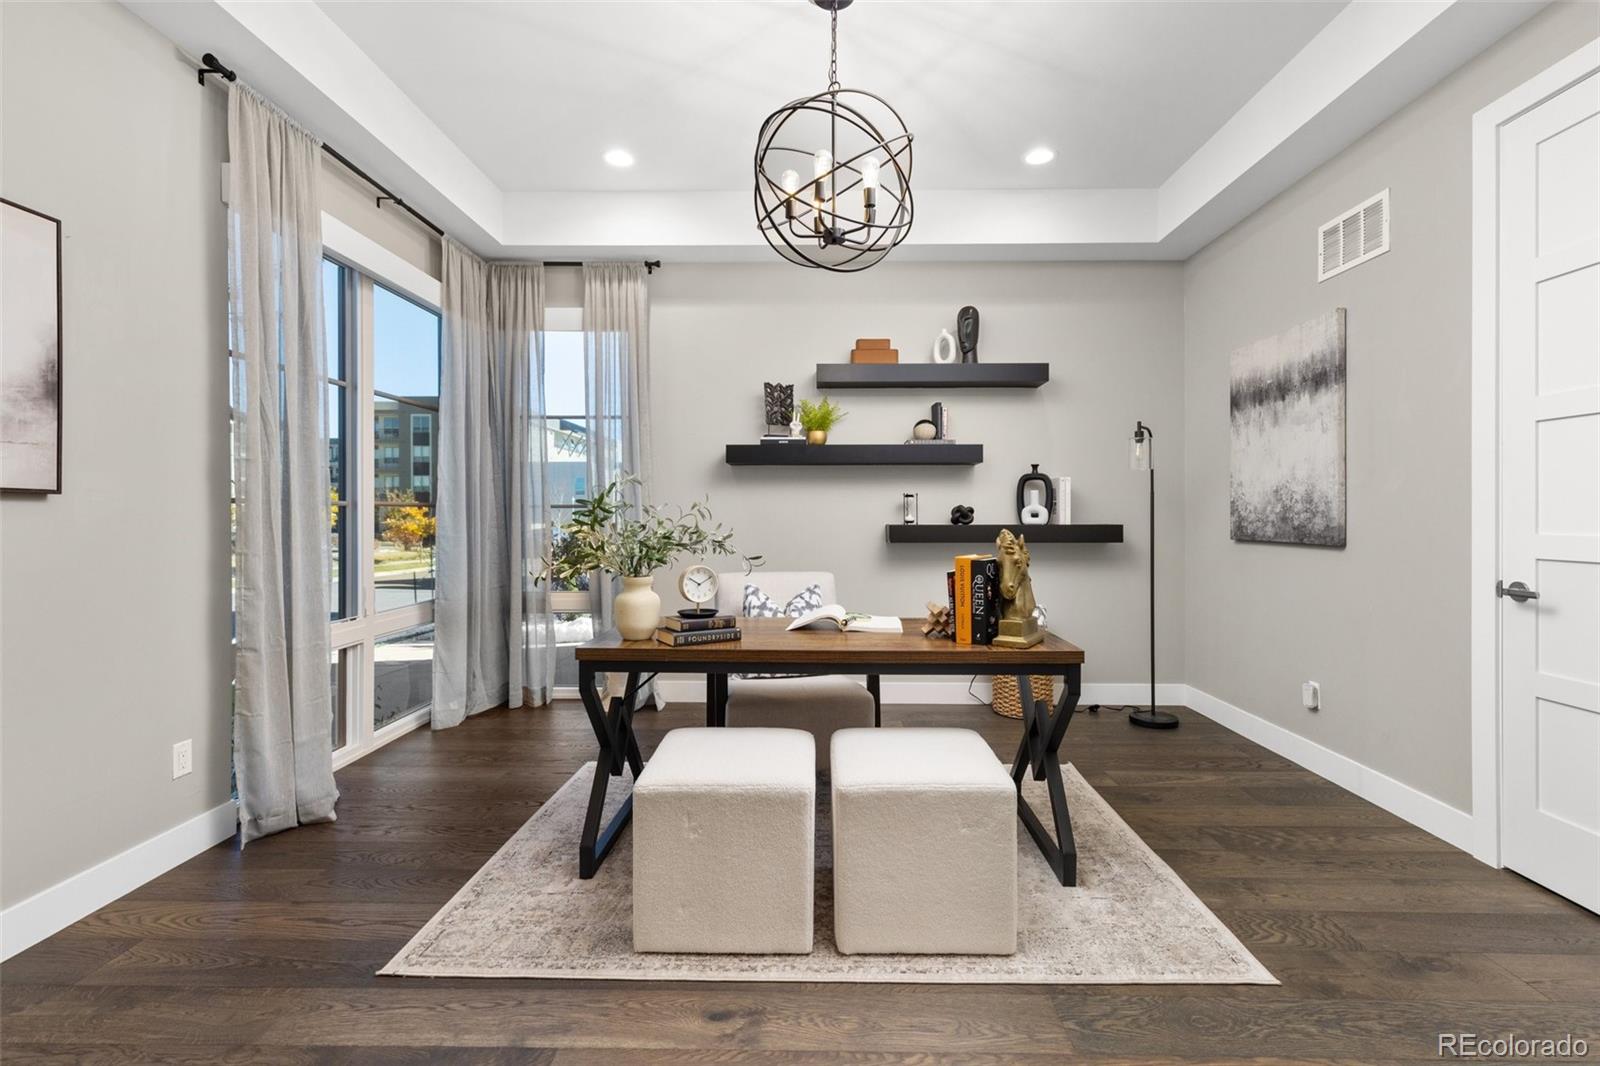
x: 1286, y: 400
x: 30, y: 350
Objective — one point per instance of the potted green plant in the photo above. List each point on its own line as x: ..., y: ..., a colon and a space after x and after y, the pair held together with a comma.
x: 603, y: 536
x: 817, y: 417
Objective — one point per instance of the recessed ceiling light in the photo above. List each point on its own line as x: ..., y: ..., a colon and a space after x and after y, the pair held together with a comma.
x: 1038, y: 157
x: 619, y: 157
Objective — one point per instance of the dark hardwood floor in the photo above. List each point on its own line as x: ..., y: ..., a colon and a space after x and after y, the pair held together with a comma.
x: 1382, y: 936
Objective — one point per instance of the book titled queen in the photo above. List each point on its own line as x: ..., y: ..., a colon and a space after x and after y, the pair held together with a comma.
x: 702, y: 636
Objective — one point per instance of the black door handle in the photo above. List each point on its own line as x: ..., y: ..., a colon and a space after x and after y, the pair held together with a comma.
x: 1516, y: 590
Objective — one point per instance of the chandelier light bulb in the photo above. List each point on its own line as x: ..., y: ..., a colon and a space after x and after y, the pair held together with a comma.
x: 790, y: 181
x: 869, y: 190
x: 821, y: 167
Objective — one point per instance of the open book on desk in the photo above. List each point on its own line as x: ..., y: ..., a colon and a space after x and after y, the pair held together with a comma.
x: 847, y: 621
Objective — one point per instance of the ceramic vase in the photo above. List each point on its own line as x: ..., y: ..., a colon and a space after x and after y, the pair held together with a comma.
x: 637, y: 608
x: 816, y: 436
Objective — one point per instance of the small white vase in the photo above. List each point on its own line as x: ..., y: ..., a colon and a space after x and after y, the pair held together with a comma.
x: 637, y: 608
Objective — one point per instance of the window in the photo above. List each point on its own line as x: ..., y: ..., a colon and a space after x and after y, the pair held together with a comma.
x: 403, y: 674
x: 405, y: 381
x: 568, y: 429
x: 341, y: 602
x: 383, y: 382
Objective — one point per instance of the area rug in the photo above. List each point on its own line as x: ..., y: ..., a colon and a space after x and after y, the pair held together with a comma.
x: 1130, y: 920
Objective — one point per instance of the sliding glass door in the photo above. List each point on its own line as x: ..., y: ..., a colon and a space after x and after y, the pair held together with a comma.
x: 383, y: 394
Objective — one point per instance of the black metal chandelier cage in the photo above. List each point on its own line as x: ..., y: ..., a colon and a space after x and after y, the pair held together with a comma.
x: 833, y: 174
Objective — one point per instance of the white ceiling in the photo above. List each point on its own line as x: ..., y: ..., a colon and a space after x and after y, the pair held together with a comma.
x: 1172, y: 120
x: 536, y: 93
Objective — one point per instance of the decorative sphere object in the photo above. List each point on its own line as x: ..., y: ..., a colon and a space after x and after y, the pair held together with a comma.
x: 923, y: 430
x: 961, y: 515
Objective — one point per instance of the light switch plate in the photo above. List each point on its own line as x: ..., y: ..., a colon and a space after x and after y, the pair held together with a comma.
x: 1311, y: 695
x: 182, y: 759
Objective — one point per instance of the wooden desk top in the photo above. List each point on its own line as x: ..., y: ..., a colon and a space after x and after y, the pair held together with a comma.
x: 767, y: 642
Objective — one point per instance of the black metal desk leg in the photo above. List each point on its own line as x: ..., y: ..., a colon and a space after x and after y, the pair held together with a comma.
x: 711, y: 700
x: 1039, y: 752
x: 618, y: 746
x: 875, y: 688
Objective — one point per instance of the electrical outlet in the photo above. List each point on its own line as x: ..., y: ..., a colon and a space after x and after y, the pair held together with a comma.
x: 182, y: 759
x: 1311, y: 695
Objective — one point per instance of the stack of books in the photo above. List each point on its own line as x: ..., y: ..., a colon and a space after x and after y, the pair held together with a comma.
x: 680, y: 632
x: 974, y: 589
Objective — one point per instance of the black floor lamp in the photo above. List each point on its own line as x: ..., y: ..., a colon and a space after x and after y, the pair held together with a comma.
x: 1140, y: 459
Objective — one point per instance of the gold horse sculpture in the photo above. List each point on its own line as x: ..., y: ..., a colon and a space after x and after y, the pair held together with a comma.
x: 1018, y: 629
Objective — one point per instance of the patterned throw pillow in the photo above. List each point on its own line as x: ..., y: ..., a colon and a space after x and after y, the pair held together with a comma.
x: 758, y: 604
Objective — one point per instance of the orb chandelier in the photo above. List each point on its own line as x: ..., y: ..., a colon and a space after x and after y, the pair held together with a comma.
x: 855, y: 205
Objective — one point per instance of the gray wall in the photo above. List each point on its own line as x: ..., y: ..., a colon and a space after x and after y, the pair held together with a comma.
x: 1113, y: 336
x: 114, y: 613
x: 353, y: 202
x: 1383, y: 623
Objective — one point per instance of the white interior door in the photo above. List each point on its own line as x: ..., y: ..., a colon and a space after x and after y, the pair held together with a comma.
x: 1550, y: 492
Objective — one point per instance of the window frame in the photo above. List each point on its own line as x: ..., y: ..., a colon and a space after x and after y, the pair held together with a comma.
x: 367, y: 264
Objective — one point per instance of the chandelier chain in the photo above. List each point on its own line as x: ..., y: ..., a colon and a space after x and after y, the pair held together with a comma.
x: 833, y: 51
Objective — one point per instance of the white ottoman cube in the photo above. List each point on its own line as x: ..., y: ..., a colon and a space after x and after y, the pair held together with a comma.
x: 724, y: 828
x: 924, y: 844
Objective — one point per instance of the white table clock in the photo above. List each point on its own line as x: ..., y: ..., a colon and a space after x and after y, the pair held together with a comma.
x: 698, y: 585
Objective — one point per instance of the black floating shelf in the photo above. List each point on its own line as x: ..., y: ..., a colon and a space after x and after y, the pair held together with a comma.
x: 854, y: 454
x: 932, y: 375
x: 975, y: 534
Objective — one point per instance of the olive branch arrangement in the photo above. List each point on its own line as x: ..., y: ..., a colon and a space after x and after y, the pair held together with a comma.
x: 601, y: 535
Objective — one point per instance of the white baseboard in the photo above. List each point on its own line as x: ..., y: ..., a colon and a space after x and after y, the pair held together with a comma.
x: 24, y: 924
x: 953, y: 691
x: 1450, y: 824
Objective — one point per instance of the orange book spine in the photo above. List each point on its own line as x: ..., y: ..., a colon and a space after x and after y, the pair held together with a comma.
x: 963, y: 599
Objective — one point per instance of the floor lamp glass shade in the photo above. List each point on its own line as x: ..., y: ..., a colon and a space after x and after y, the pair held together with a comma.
x: 1139, y: 454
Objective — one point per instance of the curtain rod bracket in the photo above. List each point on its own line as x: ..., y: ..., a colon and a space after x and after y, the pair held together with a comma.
x: 213, y: 65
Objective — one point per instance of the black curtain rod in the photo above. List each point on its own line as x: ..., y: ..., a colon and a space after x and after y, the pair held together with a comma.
x: 210, y: 64
x: 383, y: 193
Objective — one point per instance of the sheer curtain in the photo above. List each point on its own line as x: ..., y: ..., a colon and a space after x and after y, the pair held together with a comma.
x: 616, y: 341
x: 283, y: 726
x: 492, y: 628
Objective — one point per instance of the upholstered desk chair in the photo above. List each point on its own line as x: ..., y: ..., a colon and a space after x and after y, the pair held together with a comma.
x: 818, y: 704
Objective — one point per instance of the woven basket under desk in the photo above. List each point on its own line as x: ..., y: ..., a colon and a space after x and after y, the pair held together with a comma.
x: 1007, y: 701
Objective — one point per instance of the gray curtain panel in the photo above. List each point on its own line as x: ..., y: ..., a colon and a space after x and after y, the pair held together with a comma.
x: 492, y: 628
x: 616, y: 342
x: 283, y: 726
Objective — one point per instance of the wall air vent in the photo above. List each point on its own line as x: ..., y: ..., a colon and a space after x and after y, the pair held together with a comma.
x: 1354, y: 237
